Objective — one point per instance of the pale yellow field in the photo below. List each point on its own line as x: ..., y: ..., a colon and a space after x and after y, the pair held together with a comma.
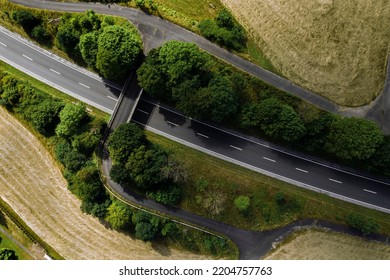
x: 321, y: 245
x: 336, y: 48
x: 34, y: 187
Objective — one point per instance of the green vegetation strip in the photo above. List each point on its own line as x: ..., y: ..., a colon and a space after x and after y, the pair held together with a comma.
x: 213, y: 185
x: 6, y: 209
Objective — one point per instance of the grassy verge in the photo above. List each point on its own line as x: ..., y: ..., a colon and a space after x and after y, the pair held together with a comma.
x: 10, y: 228
x: 214, y: 184
x: 27, y: 231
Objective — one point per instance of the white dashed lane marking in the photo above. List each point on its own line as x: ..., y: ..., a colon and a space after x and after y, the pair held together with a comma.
x: 81, y: 84
x: 112, y: 98
x: 202, y: 135
x: 171, y: 123
x: 269, y: 159
x: 369, y: 191
x: 336, y: 181
x: 301, y: 170
x: 234, y: 147
x: 29, y: 58
x: 54, y: 71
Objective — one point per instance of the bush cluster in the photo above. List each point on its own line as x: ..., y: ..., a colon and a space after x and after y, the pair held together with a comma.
x: 139, y: 164
x: 225, y: 31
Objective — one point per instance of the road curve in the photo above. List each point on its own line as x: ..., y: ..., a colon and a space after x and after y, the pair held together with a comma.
x: 155, y: 31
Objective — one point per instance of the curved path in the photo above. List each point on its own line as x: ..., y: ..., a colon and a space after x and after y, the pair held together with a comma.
x: 155, y: 31
x: 252, y: 245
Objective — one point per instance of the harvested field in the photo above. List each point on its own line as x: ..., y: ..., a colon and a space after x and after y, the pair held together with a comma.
x: 32, y: 184
x: 323, y: 245
x: 333, y: 47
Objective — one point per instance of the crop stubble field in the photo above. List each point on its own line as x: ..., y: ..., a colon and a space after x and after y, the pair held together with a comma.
x: 323, y: 245
x: 336, y: 48
x: 32, y: 184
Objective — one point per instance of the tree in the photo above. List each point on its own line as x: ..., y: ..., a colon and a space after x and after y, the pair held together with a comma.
x: 7, y: 254
x: 118, y: 51
x: 223, y: 99
x: 25, y: 19
x: 70, y: 119
x: 151, y: 76
x: 119, y: 215
x: 67, y: 39
x: 354, y: 138
x: 274, y: 119
x: 124, y: 140
x: 86, y: 142
x: 88, y: 47
x: 146, y: 225
x: 169, y: 195
x: 181, y: 61
x: 145, y: 165
x: 242, y: 203
x: 40, y: 34
x: 225, y: 19
x: 45, y: 115
x: 120, y: 174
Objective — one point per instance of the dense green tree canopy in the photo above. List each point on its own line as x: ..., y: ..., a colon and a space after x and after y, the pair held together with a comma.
x: 70, y: 119
x: 88, y: 47
x: 119, y: 215
x: 145, y: 166
x: 124, y: 140
x: 354, y: 138
x: 67, y: 39
x: 182, y: 61
x: 274, y: 119
x: 118, y: 51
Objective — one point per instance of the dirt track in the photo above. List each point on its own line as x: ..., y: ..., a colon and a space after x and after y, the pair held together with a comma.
x: 336, y: 48
x: 34, y: 187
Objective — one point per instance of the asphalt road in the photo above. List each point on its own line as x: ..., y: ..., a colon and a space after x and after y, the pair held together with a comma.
x: 57, y: 72
x: 264, y: 157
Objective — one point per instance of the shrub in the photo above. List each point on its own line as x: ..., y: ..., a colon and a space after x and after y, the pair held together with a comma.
x: 365, y: 225
x: 25, y: 19
x: 242, y: 203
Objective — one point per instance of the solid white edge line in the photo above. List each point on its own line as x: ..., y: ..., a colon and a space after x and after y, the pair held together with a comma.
x: 369, y: 191
x: 269, y: 159
x: 29, y: 58
x: 336, y: 181
x: 302, y: 170
x: 265, y: 172
x: 112, y: 98
x: 276, y: 149
x: 234, y: 147
x: 64, y: 90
